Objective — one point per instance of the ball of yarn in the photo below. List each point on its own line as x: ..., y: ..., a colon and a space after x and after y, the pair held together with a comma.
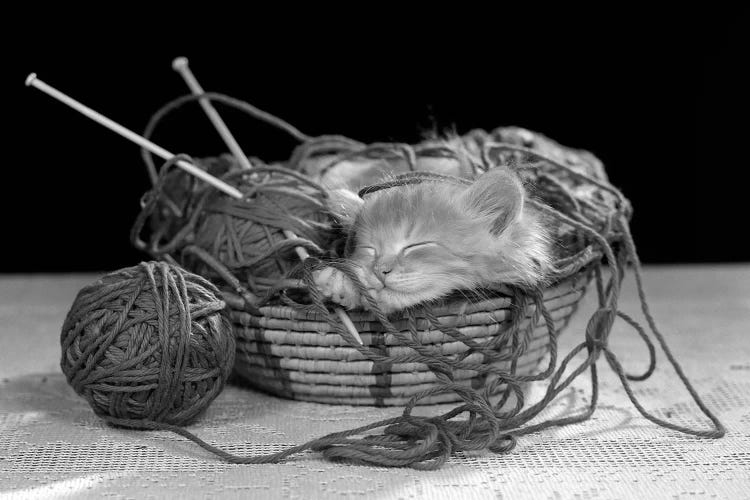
x: 248, y: 235
x: 179, y: 190
x: 149, y: 343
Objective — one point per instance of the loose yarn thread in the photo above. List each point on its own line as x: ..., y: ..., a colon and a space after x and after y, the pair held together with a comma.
x: 598, y: 229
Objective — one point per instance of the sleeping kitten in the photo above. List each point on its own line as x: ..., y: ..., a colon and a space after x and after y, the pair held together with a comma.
x: 417, y: 243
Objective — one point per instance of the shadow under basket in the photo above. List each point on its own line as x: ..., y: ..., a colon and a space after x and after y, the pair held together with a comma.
x: 297, y: 354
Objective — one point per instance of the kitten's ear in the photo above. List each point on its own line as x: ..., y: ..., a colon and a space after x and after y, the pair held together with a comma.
x: 344, y: 205
x: 497, y: 194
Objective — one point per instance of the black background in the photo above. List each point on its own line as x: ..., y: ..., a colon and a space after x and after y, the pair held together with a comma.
x: 660, y: 98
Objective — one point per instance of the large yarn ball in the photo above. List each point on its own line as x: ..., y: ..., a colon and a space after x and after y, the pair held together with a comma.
x: 149, y: 343
x: 179, y: 190
x: 248, y: 236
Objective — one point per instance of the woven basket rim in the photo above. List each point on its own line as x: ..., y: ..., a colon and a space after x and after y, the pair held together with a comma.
x: 453, y: 307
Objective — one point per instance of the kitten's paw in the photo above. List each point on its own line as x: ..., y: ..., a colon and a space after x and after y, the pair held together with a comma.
x: 337, y: 287
x: 322, y: 279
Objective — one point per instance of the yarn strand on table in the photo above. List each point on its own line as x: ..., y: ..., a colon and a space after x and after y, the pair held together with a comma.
x: 428, y: 442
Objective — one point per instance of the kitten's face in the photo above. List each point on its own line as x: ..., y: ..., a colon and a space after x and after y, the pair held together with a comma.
x: 418, y: 242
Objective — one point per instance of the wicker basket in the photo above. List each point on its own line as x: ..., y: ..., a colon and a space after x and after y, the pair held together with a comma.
x: 298, y: 355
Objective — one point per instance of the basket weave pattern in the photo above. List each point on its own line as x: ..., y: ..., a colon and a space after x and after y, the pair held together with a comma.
x: 299, y: 355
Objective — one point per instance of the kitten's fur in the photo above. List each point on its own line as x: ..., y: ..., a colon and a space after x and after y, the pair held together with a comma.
x: 417, y: 243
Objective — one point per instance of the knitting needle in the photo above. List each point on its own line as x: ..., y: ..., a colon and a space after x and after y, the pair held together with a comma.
x: 345, y: 319
x: 33, y: 81
x: 180, y: 65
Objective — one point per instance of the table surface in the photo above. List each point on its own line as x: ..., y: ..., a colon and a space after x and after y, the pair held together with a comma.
x: 52, y: 445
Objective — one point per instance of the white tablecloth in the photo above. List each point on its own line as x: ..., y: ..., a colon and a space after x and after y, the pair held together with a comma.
x: 53, y: 446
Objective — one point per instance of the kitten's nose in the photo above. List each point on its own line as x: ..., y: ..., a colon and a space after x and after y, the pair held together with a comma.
x: 381, y: 269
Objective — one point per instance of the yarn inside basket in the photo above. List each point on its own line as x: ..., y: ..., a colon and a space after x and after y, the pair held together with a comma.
x: 593, y: 217
x: 148, y: 344
x: 245, y: 242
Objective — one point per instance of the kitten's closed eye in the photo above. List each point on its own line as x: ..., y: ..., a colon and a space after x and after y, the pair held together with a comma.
x: 405, y: 250
x: 416, y: 246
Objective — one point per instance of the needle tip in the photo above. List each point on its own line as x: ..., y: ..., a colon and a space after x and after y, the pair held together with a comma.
x: 30, y: 78
x: 179, y: 63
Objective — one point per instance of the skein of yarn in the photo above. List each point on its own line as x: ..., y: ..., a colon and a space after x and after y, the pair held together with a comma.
x: 148, y: 345
x: 241, y: 242
x: 247, y: 236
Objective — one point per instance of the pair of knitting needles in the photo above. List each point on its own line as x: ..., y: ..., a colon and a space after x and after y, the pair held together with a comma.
x: 180, y: 65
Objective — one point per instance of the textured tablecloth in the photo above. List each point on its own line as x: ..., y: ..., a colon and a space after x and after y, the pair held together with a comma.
x: 52, y: 445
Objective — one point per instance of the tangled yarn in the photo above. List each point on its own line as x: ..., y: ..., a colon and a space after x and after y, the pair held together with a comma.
x: 244, y: 242
x: 592, y: 218
x: 247, y: 235
x: 148, y: 344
